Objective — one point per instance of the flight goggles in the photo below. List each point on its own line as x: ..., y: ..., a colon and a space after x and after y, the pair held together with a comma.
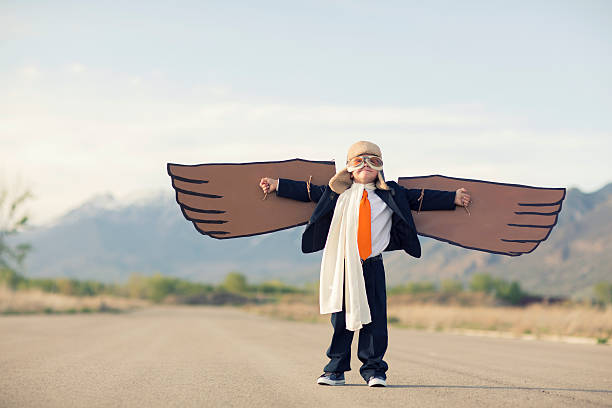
x: 358, y: 162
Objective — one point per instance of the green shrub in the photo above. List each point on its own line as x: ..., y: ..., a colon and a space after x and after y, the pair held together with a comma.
x: 275, y: 287
x: 413, y: 288
x: 393, y: 320
x: 451, y: 286
x: 509, y: 292
x: 482, y: 282
x: 235, y: 282
x: 161, y: 286
x: 10, y: 277
x: 603, y: 292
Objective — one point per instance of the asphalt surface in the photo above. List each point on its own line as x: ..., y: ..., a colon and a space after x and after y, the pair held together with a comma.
x: 206, y: 356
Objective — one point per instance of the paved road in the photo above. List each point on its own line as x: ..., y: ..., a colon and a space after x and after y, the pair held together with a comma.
x: 205, y: 356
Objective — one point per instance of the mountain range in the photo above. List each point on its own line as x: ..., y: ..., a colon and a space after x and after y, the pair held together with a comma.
x: 106, y: 240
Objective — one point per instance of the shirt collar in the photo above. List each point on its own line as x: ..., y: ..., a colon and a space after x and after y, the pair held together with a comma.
x: 368, y: 186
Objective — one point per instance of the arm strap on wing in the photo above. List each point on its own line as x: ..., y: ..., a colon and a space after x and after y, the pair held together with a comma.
x: 420, y: 199
x: 308, y: 187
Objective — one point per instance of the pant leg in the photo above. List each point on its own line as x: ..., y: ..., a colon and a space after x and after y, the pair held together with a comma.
x: 373, y: 337
x: 339, y: 350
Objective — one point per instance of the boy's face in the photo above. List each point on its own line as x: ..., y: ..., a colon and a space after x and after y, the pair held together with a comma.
x: 364, y: 175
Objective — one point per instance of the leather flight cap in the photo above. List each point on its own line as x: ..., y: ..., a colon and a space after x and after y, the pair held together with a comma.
x: 342, y: 180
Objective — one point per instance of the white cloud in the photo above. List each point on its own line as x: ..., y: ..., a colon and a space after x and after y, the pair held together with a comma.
x: 30, y: 72
x: 76, y: 68
x: 12, y: 27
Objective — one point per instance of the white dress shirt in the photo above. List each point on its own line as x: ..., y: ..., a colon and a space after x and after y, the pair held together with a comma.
x: 381, y: 221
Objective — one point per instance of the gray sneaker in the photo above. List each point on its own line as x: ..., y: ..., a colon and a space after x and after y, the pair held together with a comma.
x: 377, y: 382
x: 331, y: 378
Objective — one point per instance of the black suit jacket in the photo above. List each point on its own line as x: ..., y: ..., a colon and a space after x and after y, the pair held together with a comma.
x: 401, y: 201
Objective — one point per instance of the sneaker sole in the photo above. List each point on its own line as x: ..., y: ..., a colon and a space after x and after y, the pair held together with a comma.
x: 377, y: 383
x: 324, y: 381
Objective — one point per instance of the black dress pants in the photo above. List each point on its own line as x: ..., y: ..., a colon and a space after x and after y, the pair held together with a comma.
x: 373, y: 336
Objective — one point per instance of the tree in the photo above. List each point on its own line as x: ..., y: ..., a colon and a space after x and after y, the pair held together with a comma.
x: 235, y: 282
x: 482, y: 282
x: 161, y: 286
x: 12, y: 220
x: 510, y: 292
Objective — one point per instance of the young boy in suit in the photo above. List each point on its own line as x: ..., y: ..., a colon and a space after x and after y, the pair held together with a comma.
x: 358, y: 216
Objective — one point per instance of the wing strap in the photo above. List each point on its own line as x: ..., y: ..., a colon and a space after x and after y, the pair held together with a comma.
x: 308, y: 187
x: 420, y: 199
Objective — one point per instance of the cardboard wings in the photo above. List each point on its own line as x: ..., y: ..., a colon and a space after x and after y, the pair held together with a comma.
x: 224, y: 200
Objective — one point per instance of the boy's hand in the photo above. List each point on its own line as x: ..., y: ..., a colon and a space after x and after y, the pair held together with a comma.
x: 268, y: 185
x: 462, y: 197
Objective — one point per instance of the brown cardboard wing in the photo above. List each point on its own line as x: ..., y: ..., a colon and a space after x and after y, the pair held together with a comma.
x: 225, y: 200
x: 509, y: 219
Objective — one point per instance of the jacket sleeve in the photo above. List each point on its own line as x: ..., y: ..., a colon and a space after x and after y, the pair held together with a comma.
x: 423, y: 199
x: 298, y: 190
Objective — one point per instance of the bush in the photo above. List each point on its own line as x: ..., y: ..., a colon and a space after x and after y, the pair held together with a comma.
x: 11, y: 278
x: 65, y: 286
x: 451, y: 286
x: 235, y: 282
x: 509, y: 292
x: 603, y: 292
x: 482, y: 282
x: 413, y: 288
x: 157, y: 287
x: 275, y: 287
x: 45, y: 284
x: 136, y: 287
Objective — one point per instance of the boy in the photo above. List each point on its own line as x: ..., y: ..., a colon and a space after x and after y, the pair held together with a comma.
x: 357, y: 217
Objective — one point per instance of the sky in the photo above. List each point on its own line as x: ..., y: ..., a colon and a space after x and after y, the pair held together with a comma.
x: 96, y: 97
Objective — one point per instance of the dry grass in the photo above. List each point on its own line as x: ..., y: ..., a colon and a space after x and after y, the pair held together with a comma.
x: 537, y: 320
x: 291, y: 307
x: 37, y: 301
x: 540, y: 321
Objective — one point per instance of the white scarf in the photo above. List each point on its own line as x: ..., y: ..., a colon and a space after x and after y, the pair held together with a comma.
x: 341, y: 250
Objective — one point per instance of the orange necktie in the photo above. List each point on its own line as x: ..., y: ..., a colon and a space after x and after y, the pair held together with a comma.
x: 364, y: 233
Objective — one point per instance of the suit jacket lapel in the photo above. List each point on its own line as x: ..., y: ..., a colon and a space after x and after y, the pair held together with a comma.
x: 327, y: 202
x: 386, y: 196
